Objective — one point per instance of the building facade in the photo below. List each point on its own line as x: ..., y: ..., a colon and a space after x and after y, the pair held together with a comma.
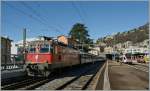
x: 95, y: 51
x: 136, y: 49
x: 108, y: 50
x: 5, y: 50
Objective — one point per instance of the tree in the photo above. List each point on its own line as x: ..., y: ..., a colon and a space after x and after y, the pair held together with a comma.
x: 79, y: 32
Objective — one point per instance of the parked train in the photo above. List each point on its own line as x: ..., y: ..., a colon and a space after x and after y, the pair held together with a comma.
x: 47, y: 55
x: 126, y: 58
x: 138, y: 57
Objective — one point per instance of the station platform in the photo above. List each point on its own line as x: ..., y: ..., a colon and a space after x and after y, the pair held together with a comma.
x: 123, y: 77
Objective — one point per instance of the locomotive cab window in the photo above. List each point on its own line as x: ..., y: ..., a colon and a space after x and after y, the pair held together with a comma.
x: 40, y: 48
x: 45, y: 48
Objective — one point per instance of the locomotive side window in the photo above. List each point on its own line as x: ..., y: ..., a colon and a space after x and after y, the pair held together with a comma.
x: 32, y: 50
x: 44, y: 50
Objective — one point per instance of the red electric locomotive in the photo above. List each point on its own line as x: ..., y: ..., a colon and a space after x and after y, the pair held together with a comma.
x: 46, y: 55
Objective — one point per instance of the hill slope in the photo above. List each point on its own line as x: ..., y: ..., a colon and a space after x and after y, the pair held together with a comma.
x: 135, y: 35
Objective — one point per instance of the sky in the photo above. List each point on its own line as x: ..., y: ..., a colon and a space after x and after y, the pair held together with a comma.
x: 53, y: 18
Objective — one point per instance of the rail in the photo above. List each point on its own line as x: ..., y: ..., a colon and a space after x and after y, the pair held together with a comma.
x: 21, y: 84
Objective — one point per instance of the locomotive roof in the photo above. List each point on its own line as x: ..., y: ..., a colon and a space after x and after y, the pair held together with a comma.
x: 40, y: 42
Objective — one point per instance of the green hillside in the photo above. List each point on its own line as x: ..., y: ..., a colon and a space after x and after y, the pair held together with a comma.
x: 135, y: 35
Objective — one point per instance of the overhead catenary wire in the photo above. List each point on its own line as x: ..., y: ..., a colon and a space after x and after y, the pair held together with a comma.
x: 86, y: 15
x: 58, y: 25
x: 81, y: 13
x: 78, y: 11
x: 30, y: 16
x: 83, y: 10
x: 13, y: 24
x: 38, y: 15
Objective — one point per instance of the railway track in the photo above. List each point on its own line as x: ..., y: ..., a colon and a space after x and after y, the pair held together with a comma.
x: 5, y: 82
x: 81, y: 82
x: 34, y: 85
x: 20, y: 84
x: 77, y: 80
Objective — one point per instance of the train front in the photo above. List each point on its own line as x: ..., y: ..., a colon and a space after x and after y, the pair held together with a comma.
x: 39, y: 58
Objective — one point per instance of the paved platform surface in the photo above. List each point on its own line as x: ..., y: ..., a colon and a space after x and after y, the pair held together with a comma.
x: 123, y: 77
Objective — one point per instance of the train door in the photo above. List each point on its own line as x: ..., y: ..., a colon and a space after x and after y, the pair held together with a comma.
x: 57, y: 57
